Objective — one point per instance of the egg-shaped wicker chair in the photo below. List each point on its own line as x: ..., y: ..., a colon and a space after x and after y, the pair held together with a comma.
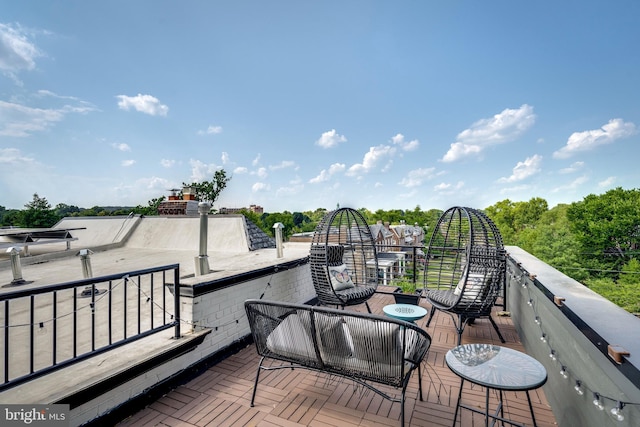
x: 465, y: 267
x: 343, y: 259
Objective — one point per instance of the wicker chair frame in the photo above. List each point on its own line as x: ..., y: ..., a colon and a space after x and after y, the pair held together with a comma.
x: 465, y: 267
x: 344, y: 237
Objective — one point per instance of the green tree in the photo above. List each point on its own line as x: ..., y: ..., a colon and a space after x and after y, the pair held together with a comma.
x: 38, y: 214
x: 503, y: 215
x: 607, y: 228
x: 630, y: 274
x: 285, y: 218
x: 152, y: 207
x: 553, y: 242
x: 63, y: 210
x: 209, y: 191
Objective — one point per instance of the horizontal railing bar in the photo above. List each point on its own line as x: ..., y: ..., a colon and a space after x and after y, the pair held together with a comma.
x: 84, y: 282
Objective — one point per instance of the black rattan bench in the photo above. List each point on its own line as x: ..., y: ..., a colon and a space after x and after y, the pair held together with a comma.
x: 362, y: 347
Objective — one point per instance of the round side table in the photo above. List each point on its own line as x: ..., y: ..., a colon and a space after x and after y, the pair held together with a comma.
x: 498, y: 368
x: 407, y: 312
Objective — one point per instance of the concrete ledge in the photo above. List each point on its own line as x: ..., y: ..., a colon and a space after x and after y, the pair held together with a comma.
x: 86, y: 380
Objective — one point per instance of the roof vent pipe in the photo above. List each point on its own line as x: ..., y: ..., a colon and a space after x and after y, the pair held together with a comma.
x: 202, y: 260
x: 278, y: 227
x: 85, y: 261
x: 16, y: 266
x: 87, y: 273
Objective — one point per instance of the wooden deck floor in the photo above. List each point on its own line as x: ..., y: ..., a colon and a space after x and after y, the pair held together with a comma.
x: 286, y: 398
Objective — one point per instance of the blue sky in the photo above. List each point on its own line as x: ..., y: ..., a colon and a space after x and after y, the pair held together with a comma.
x: 376, y: 104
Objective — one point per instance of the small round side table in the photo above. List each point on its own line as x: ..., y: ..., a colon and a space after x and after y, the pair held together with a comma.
x: 407, y: 312
x: 498, y: 368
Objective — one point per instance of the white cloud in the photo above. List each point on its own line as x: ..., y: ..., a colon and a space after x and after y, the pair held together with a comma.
x: 121, y: 146
x: 416, y: 177
x: 371, y: 159
x: 211, y: 130
x: 337, y: 167
x: 283, y: 165
x: 260, y: 187
x: 127, y: 163
x: 201, y: 171
x: 608, y: 182
x: 17, y: 120
x: 240, y: 170
x: 326, y: 175
x: 225, y: 157
x: 261, y: 172
x: 572, y: 185
x: 20, y: 121
x: 18, y: 52
x: 290, y: 191
x: 330, y: 139
x: 516, y: 189
x: 523, y: 170
x: 576, y: 166
x: 503, y: 127
x: 590, y: 139
x: 404, y: 145
x: 13, y: 157
x: 166, y: 163
x: 256, y: 161
x: 444, y: 187
x: 143, y: 103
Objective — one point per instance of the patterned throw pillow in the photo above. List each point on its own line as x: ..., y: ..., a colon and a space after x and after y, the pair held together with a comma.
x: 340, y: 278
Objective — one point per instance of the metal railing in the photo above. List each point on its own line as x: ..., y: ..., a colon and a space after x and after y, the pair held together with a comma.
x: 47, y: 328
x: 413, y: 260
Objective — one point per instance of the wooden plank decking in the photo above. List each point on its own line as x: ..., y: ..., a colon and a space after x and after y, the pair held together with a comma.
x: 221, y: 396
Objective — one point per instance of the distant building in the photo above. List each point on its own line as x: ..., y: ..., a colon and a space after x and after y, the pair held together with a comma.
x: 252, y: 208
x: 177, y: 205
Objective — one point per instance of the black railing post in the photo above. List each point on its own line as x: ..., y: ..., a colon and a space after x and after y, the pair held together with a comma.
x: 93, y: 317
x: 54, y: 358
x: 31, y: 332
x: 110, y: 313
x: 75, y: 322
x: 124, y: 311
x: 6, y: 341
x: 176, y: 299
x: 139, y: 303
x: 414, y: 255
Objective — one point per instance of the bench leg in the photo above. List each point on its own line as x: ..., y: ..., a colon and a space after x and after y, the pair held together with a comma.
x: 420, y: 381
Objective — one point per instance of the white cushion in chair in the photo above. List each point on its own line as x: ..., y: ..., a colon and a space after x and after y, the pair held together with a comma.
x: 475, y: 284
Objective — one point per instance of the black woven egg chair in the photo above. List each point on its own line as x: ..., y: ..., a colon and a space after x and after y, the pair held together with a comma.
x: 465, y: 267
x: 343, y: 259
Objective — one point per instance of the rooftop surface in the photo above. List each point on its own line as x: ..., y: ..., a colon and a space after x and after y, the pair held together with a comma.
x: 156, y: 241
x: 221, y: 396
